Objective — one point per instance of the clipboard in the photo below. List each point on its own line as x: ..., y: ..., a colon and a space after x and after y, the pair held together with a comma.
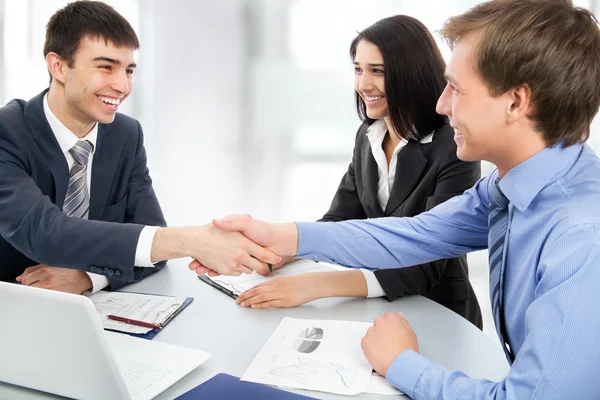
x: 233, y: 286
x: 220, y: 288
x: 151, y: 334
x: 229, y: 387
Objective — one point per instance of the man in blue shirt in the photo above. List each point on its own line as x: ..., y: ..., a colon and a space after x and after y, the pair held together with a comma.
x: 523, y: 88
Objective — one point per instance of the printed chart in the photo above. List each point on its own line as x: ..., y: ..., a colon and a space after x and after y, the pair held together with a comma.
x: 315, y: 355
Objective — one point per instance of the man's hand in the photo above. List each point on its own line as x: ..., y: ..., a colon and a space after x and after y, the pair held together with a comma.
x: 200, y: 269
x: 281, y: 239
x: 283, y: 292
x: 60, y: 279
x: 227, y: 253
x: 389, y: 336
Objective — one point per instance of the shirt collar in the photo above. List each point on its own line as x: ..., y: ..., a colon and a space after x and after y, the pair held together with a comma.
x: 523, y: 183
x: 376, y: 133
x: 65, y: 138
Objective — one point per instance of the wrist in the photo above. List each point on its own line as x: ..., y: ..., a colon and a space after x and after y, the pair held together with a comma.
x: 86, y: 283
x: 169, y: 243
x: 288, y: 234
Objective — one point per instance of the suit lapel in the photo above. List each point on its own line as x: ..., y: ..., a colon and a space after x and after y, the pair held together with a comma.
x: 48, y: 145
x: 106, y: 157
x: 409, y: 166
x: 370, y: 177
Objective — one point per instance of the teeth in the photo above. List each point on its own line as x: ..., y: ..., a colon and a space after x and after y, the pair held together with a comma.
x: 373, y: 98
x: 110, y: 100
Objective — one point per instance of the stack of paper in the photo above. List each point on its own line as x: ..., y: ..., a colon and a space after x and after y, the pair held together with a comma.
x: 317, y: 355
x: 140, y: 307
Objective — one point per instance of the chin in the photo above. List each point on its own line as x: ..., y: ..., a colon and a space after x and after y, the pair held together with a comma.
x: 375, y: 114
x: 465, y: 155
x: 106, y: 119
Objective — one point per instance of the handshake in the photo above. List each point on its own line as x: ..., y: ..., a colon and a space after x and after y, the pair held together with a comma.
x: 231, y: 246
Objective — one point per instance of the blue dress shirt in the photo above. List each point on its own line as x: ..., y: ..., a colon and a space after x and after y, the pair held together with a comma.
x: 551, y: 285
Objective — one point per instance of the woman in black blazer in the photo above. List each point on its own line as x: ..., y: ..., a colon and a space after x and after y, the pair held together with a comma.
x: 404, y: 163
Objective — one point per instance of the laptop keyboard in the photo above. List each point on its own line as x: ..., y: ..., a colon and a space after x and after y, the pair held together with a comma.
x: 140, y: 375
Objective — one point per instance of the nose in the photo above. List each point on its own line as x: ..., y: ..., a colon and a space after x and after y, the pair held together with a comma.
x: 444, y: 104
x: 365, y: 83
x: 121, y: 83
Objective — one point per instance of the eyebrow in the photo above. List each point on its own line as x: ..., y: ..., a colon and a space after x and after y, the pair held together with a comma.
x: 370, y: 65
x: 449, y: 78
x: 113, y: 61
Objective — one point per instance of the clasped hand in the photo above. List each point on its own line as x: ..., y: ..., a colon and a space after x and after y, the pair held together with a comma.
x: 241, y: 244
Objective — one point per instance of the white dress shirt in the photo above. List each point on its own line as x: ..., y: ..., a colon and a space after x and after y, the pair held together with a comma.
x: 66, y: 140
x: 376, y: 134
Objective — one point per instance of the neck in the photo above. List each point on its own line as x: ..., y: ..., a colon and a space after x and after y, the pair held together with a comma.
x: 392, y: 135
x: 518, y: 149
x: 58, y: 105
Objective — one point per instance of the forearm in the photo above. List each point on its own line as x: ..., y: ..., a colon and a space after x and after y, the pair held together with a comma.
x: 341, y: 284
x: 171, y: 243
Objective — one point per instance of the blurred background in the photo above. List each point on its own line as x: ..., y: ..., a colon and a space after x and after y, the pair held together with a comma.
x: 247, y: 105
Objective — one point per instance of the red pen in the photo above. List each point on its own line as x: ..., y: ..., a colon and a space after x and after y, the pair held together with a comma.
x: 134, y: 322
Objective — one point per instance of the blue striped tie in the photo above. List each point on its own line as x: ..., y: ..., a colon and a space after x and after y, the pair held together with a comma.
x: 77, y: 201
x: 498, y: 224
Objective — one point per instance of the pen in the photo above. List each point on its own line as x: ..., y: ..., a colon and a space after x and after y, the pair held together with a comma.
x: 220, y: 288
x: 270, y: 267
x: 134, y: 322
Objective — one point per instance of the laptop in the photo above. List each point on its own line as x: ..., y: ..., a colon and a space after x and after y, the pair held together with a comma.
x: 54, y: 342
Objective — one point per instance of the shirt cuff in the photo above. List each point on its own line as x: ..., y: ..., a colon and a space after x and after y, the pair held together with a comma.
x: 311, y: 237
x: 374, y: 288
x: 99, y: 282
x: 144, y: 247
x: 406, y: 370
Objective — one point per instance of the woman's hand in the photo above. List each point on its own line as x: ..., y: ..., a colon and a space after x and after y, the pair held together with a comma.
x: 291, y: 291
x: 284, y: 291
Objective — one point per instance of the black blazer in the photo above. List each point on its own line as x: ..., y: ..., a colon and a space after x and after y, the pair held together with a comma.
x: 33, y: 183
x: 426, y: 175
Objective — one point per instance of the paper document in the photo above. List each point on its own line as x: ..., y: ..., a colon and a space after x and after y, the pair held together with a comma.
x: 141, y: 307
x: 318, y: 355
x: 378, y: 385
x: 238, y: 284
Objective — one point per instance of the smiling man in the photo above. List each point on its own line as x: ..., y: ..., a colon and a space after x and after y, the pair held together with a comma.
x: 77, y: 207
x: 523, y: 88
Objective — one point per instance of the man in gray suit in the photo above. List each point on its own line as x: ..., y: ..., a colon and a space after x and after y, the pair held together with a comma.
x: 77, y: 207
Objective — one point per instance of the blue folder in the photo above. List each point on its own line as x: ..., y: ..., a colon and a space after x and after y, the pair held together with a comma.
x: 150, y: 335
x: 228, y: 387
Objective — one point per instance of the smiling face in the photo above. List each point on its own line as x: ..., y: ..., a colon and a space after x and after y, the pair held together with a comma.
x: 93, y: 87
x: 369, y: 79
x: 478, y: 118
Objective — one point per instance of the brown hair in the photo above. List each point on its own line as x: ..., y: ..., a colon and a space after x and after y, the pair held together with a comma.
x: 82, y: 19
x: 550, y: 46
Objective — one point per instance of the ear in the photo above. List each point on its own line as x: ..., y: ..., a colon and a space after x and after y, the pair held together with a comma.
x: 519, y: 105
x: 56, y: 67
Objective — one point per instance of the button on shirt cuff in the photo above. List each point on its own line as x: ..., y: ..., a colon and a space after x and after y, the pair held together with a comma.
x: 144, y: 247
x: 374, y: 288
x: 406, y: 370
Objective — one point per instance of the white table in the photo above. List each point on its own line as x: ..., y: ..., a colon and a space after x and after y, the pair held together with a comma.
x: 234, y: 335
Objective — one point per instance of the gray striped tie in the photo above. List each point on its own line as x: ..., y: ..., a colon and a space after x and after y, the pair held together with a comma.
x: 77, y: 201
x: 498, y: 224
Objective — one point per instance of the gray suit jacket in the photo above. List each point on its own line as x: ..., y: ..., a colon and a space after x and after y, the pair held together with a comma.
x: 426, y: 175
x: 33, y: 183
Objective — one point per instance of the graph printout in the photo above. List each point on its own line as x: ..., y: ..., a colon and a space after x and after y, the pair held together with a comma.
x: 318, y: 355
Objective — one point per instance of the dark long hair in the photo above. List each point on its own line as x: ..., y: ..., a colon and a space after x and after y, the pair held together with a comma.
x: 413, y: 74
